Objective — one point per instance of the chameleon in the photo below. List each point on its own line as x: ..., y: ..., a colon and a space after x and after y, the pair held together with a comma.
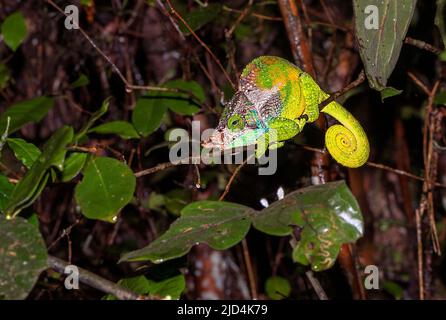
x: 275, y: 95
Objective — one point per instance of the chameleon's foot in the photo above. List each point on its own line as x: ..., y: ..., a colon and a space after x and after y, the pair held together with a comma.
x: 277, y: 145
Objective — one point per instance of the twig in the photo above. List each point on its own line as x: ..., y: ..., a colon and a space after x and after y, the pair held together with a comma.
x: 419, y: 83
x: 234, y: 174
x: 96, y: 281
x: 333, y: 97
x: 128, y: 85
x: 316, y: 285
x: 176, y: 14
x: 249, y: 269
x: 246, y: 256
x: 163, y: 166
x: 257, y: 15
x: 244, y: 13
x: 420, y: 255
x: 422, y: 45
x: 382, y: 167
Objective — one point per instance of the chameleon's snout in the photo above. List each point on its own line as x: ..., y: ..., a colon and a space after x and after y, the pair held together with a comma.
x: 216, y: 140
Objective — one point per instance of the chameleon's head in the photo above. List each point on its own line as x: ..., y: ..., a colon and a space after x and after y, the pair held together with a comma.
x: 240, y: 125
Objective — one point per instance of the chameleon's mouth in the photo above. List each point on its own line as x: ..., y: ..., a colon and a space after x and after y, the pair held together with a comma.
x: 216, y: 140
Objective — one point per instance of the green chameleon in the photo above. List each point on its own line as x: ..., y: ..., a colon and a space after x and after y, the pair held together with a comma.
x: 275, y: 96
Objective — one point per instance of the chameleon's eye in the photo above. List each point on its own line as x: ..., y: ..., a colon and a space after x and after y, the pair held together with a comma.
x: 235, y: 123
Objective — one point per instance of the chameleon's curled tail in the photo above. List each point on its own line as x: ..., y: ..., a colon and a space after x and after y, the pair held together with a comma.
x: 347, y: 142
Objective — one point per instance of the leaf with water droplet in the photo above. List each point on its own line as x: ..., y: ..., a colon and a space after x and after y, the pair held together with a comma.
x: 23, y: 257
x: 380, y: 48
x: 107, y: 186
x: 200, y: 222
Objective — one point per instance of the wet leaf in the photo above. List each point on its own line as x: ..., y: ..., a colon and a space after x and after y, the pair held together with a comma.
x: 219, y: 224
x: 277, y: 288
x: 24, y: 112
x: 73, y: 165
x: 31, y: 185
x: 23, y: 257
x: 148, y: 113
x: 326, y: 216
x: 380, y: 48
x: 170, y: 288
x: 14, y: 30
x: 122, y: 128
x: 26, y: 152
x: 107, y: 186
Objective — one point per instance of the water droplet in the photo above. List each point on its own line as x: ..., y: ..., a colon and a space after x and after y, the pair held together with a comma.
x: 115, y: 218
x: 264, y: 202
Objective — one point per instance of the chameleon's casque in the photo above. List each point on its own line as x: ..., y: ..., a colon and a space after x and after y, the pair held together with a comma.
x: 275, y: 96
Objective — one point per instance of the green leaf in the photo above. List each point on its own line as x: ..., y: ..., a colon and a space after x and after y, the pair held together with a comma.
x: 182, y: 103
x: 148, y: 113
x: 122, y: 128
x: 219, y: 224
x: 23, y: 257
x: 200, y: 17
x: 32, y: 184
x: 277, y: 288
x: 170, y: 288
x: 24, y: 112
x: 380, y: 48
x: 14, y: 30
x: 26, y: 152
x: 95, y: 116
x: 73, y: 165
x: 107, y: 186
x: 325, y: 215
x: 80, y: 82
x: 5, y: 191
x: 389, y: 92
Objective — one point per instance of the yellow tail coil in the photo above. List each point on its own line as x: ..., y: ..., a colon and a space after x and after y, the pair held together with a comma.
x: 347, y: 142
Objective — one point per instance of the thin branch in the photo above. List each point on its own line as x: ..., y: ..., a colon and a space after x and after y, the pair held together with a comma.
x: 316, y: 285
x: 257, y: 15
x: 95, y: 281
x: 419, y: 254
x: 176, y: 14
x: 422, y: 45
x: 244, y: 13
x: 249, y: 269
x: 419, y: 83
x: 128, y: 85
x: 383, y: 167
x: 231, y: 180
x: 333, y: 97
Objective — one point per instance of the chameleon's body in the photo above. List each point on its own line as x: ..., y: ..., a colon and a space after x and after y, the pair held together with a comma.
x: 276, y: 96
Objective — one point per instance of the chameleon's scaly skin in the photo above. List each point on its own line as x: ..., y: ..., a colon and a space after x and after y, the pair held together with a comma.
x: 275, y: 94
